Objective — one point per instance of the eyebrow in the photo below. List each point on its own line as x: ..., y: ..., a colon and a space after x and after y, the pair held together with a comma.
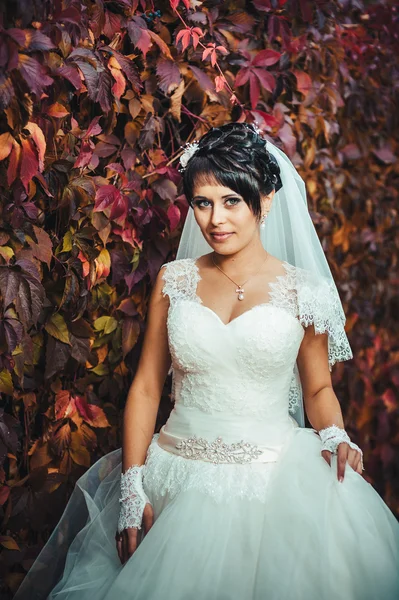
x: 225, y: 196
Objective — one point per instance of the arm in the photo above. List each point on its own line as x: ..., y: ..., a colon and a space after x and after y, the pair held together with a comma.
x: 321, y: 404
x: 139, y: 419
x: 144, y: 395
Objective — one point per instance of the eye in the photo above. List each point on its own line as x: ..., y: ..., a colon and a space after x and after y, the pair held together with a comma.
x: 234, y: 201
x: 202, y: 203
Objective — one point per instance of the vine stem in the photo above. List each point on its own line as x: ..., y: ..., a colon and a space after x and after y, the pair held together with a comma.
x: 216, y: 62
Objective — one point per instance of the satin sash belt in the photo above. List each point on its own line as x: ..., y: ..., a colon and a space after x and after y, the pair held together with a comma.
x: 220, y: 439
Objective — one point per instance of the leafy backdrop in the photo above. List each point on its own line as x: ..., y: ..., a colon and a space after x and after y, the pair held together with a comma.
x: 97, y: 98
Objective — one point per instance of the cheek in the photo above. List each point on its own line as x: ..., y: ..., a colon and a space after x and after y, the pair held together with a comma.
x: 202, y: 218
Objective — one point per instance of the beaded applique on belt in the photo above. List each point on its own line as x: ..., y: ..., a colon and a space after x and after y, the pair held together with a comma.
x: 218, y: 451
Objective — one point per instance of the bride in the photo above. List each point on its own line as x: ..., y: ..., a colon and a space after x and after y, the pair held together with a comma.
x: 234, y: 498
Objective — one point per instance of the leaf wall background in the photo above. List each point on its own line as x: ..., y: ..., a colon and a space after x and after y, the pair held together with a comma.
x: 97, y: 99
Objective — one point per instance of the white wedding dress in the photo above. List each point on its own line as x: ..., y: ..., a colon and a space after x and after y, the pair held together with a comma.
x: 267, y: 519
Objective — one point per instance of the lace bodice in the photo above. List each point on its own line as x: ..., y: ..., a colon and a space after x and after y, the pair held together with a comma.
x: 247, y: 367
x: 237, y: 381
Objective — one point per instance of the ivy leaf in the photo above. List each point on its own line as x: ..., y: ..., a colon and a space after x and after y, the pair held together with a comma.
x: 29, y: 163
x: 34, y: 74
x: 57, y: 327
x: 57, y: 355
x: 6, y: 143
x: 43, y: 248
x: 130, y: 334
x: 108, y: 196
x: 92, y: 414
x: 168, y: 74
x: 6, y: 385
x: 20, y: 285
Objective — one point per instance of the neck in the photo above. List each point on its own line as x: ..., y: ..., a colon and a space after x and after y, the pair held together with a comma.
x: 249, y: 257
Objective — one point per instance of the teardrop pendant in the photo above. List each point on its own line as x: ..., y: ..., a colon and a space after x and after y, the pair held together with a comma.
x: 241, y: 296
x: 240, y: 292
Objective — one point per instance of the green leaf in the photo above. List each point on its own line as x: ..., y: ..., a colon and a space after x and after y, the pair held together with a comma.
x: 57, y: 327
x: 6, y: 385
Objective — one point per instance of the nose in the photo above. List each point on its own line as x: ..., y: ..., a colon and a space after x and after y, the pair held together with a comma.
x: 218, y: 215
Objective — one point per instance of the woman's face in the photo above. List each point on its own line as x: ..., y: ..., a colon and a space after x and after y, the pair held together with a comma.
x: 225, y: 219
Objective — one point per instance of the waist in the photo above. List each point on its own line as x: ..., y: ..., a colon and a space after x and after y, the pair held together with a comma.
x: 224, y: 437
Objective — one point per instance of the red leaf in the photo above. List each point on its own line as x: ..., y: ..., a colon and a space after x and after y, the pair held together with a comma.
x: 71, y: 74
x: 39, y: 139
x: 173, y: 216
x: 168, y: 75
x: 242, y: 76
x: 64, y: 405
x: 13, y: 165
x: 29, y: 163
x: 139, y: 34
x: 57, y: 110
x: 108, y: 196
x: 92, y: 414
x: 94, y: 128
x: 86, y: 152
x: 34, y: 74
x: 18, y: 35
x: 112, y: 24
x: 266, y: 79
x: 303, y: 81
x: 266, y: 58
x: 36, y: 40
x: 254, y: 89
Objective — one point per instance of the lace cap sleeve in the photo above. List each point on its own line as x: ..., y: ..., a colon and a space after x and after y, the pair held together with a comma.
x: 319, y: 304
x: 181, y: 278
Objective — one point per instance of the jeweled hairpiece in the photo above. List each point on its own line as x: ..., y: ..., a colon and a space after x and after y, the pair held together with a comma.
x: 189, y: 151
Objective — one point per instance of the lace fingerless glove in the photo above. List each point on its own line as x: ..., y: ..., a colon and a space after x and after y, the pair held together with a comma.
x: 332, y: 436
x: 132, y: 498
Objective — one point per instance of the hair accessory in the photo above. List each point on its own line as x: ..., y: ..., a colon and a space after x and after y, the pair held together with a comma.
x: 189, y: 151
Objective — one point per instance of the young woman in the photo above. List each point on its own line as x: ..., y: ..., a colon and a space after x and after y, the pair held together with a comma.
x: 234, y: 499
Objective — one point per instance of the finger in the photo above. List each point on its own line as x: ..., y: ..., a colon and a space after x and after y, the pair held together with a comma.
x: 342, y: 456
x: 353, y: 458
x: 131, y: 541
x: 119, y: 547
x: 124, y: 546
x: 326, y: 454
x: 148, y: 518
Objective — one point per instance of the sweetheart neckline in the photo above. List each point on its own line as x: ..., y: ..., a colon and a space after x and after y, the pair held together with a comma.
x: 270, y: 284
x: 226, y: 325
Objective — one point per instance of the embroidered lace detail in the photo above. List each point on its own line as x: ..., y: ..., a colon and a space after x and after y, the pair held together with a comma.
x: 168, y: 473
x: 249, y: 365
x: 333, y: 436
x: 181, y: 279
x: 314, y: 300
x: 132, y: 498
x: 218, y: 451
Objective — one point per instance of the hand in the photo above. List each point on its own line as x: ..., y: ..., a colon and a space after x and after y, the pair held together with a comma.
x: 345, y: 453
x: 126, y: 541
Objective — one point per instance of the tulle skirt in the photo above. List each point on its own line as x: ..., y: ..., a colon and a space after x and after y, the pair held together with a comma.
x: 285, y: 530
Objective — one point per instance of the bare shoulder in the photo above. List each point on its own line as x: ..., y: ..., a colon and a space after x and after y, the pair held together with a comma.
x: 276, y: 266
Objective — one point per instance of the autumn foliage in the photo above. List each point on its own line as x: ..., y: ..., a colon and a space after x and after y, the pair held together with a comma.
x: 97, y: 99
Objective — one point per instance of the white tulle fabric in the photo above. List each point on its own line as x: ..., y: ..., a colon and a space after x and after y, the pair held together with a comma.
x: 283, y: 528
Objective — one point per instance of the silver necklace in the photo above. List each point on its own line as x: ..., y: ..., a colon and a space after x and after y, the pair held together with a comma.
x: 239, y: 290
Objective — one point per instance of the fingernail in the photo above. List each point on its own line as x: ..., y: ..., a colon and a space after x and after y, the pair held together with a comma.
x: 341, y: 479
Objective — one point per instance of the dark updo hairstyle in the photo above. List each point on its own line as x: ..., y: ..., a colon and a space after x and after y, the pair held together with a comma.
x: 235, y: 156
